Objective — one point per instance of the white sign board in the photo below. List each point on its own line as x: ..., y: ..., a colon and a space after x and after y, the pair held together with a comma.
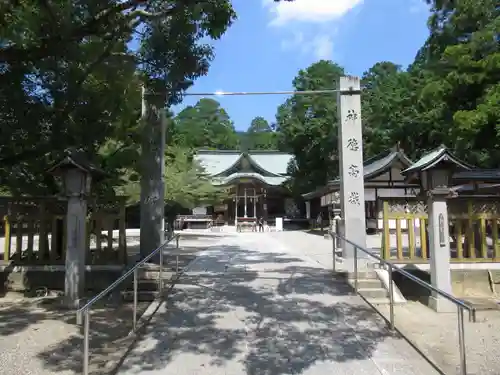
x: 397, y: 193
x: 199, y: 211
x: 279, y: 224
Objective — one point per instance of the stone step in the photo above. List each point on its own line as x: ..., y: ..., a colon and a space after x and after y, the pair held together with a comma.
x: 381, y: 301
x: 373, y: 292
x: 142, y: 296
x: 369, y: 283
x: 370, y: 274
x: 349, y: 276
x: 153, y: 275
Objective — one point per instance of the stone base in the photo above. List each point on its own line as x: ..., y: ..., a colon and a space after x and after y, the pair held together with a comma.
x: 71, y: 304
x: 442, y: 305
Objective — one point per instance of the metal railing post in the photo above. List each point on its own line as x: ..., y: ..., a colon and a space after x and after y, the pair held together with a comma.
x: 461, y: 340
x: 356, y: 269
x: 177, y: 257
x: 461, y: 306
x: 160, y: 275
x: 334, y: 247
x: 134, y: 319
x: 86, y: 326
x: 83, y: 312
x: 391, y: 299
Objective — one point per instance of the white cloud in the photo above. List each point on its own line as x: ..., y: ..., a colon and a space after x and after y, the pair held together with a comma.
x: 323, y: 47
x: 295, y: 40
x: 418, y: 6
x: 309, y: 26
x: 320, y: 46
x: 310, y: 11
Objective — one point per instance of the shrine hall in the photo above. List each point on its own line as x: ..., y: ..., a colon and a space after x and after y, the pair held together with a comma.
x: 254, y: 181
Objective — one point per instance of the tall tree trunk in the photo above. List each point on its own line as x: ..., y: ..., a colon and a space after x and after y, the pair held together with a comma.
x: 152, y: 166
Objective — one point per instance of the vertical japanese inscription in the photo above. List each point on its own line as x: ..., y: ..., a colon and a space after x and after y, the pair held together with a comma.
x: 351, y: 115
x: 353, y: 171
x: 354, y: 198
x: 352, y: 144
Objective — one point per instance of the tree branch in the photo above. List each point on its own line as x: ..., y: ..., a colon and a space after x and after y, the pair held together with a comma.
x: 53, y: 45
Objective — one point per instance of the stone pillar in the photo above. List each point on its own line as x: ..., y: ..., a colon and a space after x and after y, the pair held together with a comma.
x: 439, y: 249
x: 352, y: 192
x: 74, y: 283
x: 264, y: 206
x: 308, y: 209
x: 245, y: 202
x: 236, y: 201
x: 152, y: 166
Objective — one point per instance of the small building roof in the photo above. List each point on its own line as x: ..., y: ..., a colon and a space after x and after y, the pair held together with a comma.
x: 216, y: 162
x: 433, y: 158
x: 372, y: 167
x: 478, y: 176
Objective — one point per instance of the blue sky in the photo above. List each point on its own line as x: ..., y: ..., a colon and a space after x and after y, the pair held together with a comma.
x: 269, y: 43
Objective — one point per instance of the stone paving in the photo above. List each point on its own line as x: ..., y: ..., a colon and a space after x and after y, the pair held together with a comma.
x: 38, y: 337
x: 266, y: 304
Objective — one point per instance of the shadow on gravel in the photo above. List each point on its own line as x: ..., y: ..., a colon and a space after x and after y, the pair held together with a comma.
x: 110, y: 324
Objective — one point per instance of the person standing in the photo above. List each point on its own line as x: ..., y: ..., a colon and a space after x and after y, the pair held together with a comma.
x: 261, y: 224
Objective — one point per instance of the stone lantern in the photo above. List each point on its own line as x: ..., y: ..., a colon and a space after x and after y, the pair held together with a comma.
x: 434, y: 171
x: 75, y: 173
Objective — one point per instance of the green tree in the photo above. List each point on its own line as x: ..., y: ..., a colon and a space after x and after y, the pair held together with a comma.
x: 388, y: 110
x: 186, y: 183
x: 69, y: 77
x: 259, y: 136
x: 307, y: 126
x: 461, y: 94
x: 205, y: 125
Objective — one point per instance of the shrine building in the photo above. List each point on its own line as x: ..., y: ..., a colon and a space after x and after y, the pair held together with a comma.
x: 254, y: 181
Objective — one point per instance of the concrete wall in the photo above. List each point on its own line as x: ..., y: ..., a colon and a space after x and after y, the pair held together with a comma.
x: 465, y: 283
x: 27, y: 279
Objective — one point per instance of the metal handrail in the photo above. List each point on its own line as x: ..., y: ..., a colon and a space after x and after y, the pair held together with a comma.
x: 391, y: 267
x: 85, y: 310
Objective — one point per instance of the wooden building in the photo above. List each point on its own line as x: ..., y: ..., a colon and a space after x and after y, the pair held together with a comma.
x: 254, y: 181
x: 383, y: 179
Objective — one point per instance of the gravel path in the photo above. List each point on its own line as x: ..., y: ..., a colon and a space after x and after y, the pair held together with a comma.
x: 41, y: 338
x: 436, y: 335
x: 256, y: 305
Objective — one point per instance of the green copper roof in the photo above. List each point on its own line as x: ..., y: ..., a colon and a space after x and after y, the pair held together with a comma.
x: 216, y: 162
x: 434, y: 157
x: 371, y: 168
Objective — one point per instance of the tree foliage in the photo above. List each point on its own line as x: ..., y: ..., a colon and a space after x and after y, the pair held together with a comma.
x: 307, y: 126
x: 186, y: 183
x: 259, y: 136
x: 450, y: 95
x: 69, y: 75
x: 205, y: 125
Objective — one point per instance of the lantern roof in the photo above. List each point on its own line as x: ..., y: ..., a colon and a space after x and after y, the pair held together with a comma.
x: 76, y: 158
x: 434, y: 158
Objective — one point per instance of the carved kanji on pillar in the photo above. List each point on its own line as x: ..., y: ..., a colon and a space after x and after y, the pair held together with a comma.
x: 351, y: 166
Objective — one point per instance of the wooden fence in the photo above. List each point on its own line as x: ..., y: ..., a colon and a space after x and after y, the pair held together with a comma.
x: 35, y: 231
x: 474, y: 236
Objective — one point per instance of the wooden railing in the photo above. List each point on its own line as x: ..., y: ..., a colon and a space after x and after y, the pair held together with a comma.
x: 474, y: 237
x: 39, y: 237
